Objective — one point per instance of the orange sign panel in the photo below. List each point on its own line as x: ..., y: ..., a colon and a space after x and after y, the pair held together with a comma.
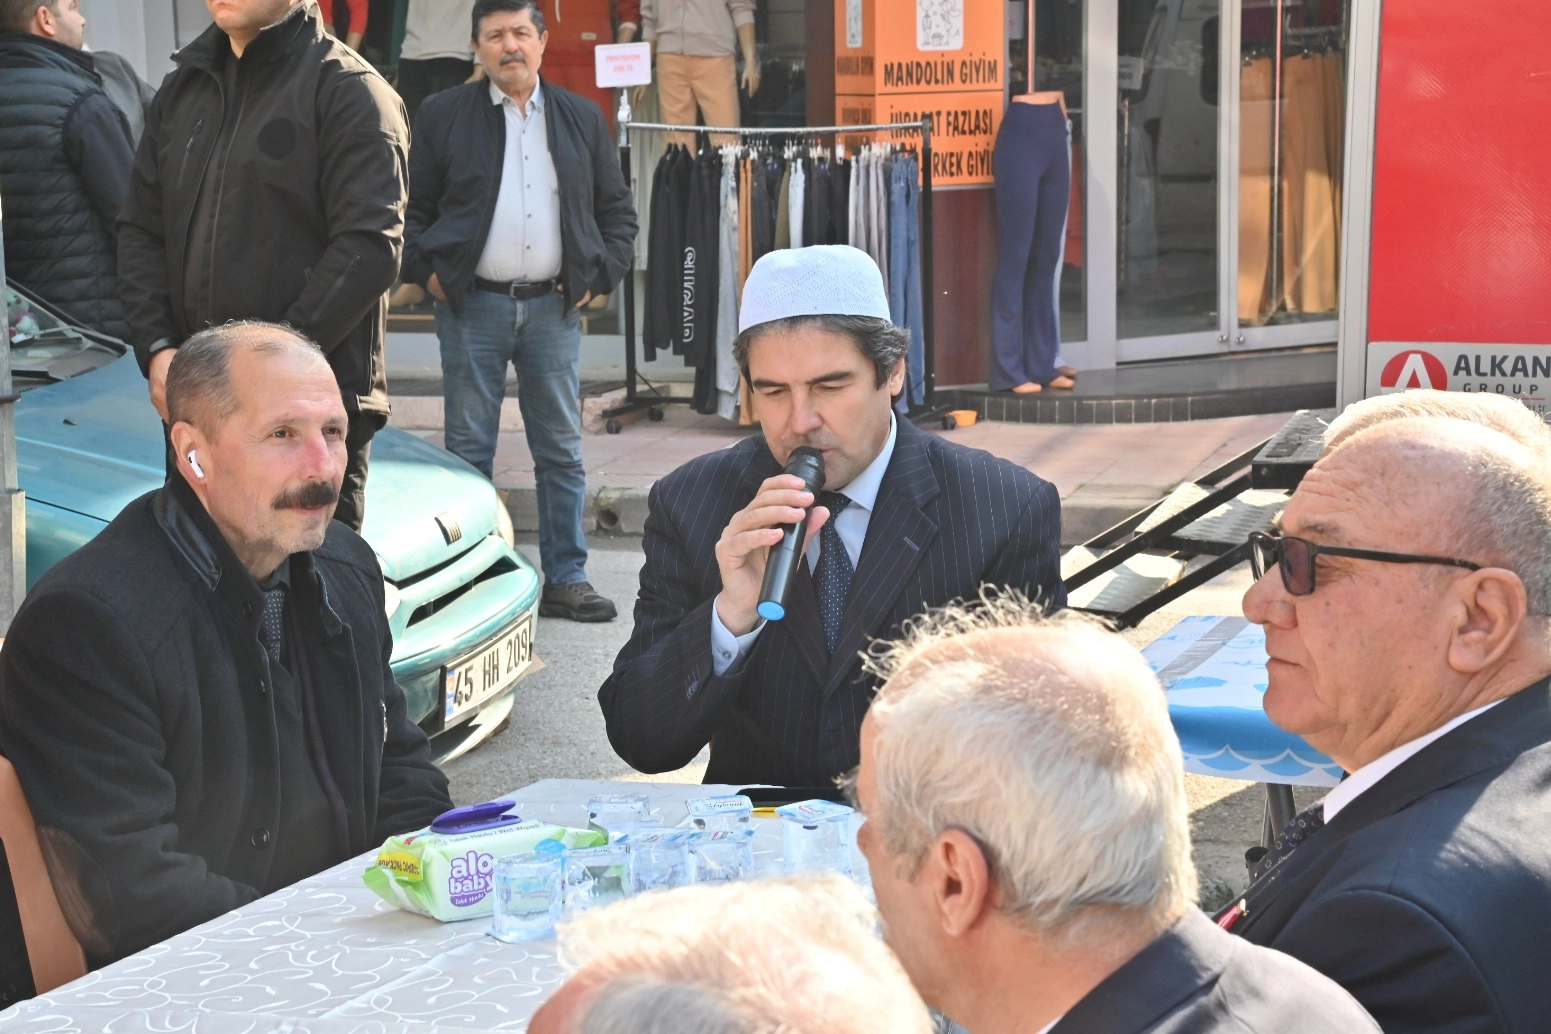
x: 964, y: 129
x: 914, y: 46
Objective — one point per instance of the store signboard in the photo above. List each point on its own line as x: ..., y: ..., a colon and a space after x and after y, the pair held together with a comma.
x: 919, y: 46
x: 1519, y: 371
x: 964, y: 129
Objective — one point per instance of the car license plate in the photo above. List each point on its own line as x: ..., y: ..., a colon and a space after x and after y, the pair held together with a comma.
x: 472, y: 680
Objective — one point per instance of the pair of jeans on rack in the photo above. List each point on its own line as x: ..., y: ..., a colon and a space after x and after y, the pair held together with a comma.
x: 905, y: 270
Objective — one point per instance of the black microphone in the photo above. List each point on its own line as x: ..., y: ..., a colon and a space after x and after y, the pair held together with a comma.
x: 807, y: 463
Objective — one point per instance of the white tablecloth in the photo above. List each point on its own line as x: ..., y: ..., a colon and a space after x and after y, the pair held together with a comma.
x: 327, y: 956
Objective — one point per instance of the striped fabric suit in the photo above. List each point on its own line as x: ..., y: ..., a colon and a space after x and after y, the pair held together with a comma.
x: 947, y: 520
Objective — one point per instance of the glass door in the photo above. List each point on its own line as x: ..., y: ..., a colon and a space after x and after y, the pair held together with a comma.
x: 1227, y: 174
x: 1291, y: 131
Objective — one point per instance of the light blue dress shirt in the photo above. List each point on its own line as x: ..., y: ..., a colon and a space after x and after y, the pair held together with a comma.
x: 524, y: 239
x: 850, y: 525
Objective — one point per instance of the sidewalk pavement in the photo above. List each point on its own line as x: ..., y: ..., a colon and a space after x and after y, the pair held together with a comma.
x: 1103, y: 472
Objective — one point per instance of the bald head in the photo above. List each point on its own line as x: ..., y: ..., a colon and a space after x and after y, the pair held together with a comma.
x: 200, y: 387
x: 1048, y: 740
x: 1466, y: 488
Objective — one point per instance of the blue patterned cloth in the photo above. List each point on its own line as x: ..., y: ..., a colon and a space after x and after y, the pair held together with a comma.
x: 832, y: 578
x: 272, y: 627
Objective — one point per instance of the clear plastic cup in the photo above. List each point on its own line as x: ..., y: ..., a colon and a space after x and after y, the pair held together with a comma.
x: 595, y: 876
x: 816, y: 835
x: 615, y: 814
x: 721, y: 814
x: 659, y: 859
x: 723, y: 856
x: 527, y: 897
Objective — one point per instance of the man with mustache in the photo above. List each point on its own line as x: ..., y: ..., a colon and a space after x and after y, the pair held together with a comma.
x: 198, y: 701
x: 906, y: 521
x: 518, y: 216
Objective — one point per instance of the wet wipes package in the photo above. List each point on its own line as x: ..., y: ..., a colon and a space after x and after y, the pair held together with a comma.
x: 447, y: 871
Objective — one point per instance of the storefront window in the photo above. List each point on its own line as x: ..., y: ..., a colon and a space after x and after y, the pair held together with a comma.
x: 1167, y: 196
x: 1292, y: 76
x: 782, y: 97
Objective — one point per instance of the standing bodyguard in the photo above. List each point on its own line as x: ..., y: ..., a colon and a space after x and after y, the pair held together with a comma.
x: 518, y: 215
x: 270, y: 185
x: 65, y: 154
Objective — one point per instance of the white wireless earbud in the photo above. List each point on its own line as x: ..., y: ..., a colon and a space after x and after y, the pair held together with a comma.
x: 193, y: 461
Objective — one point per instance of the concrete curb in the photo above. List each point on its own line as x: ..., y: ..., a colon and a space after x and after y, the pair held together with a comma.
x: 611, y: 510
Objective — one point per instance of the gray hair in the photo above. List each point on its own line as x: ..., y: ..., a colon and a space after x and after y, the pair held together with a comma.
x: 1498, y: 412
x: 879, y: 340
x: 647, y: 1005
x: 1503, y: 513
x: 1047, y: 739
x: 779, y: 956
x: 199, y: 378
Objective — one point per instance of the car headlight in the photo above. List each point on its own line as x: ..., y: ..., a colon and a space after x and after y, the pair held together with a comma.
x: 391, y: 598
x: 503, y: 523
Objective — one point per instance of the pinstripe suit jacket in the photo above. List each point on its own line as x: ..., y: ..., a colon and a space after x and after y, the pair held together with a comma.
x: 947, y: 520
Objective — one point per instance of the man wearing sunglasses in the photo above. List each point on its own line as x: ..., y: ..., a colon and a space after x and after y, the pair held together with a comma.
x: 1405, y: 602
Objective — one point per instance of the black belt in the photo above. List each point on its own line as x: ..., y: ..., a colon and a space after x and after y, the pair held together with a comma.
x: 519, y: 289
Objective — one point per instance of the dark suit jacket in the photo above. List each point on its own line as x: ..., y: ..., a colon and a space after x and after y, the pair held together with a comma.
x: 1429, y: 896
x: 947, y: 520
x: 1196, y: 979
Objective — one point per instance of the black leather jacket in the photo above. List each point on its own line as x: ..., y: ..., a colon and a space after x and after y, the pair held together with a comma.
x: 271, y: 190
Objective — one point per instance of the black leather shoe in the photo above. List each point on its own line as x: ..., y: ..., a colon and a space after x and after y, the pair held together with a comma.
x: 578, y: 601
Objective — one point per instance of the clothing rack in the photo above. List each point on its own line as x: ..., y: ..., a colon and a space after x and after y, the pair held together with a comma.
x: 635, y: 400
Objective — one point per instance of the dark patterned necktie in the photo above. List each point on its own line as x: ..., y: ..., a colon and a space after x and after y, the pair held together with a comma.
x: 272, y: 627
x: 832, y: 578
x: 1303, y: 825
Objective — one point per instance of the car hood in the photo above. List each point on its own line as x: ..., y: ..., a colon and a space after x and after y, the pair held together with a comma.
x: 93, y: 443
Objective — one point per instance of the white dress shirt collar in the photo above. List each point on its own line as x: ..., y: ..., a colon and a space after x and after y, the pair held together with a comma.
x: 535, y: 100
x: 1367, y: 777
x: 863, y: 489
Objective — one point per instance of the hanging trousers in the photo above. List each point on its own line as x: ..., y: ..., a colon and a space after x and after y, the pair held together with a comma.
x: 1033, y: 173
x: 904, y: 228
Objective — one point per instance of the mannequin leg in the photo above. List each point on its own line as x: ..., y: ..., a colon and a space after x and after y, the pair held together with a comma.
x: 715, y: 82
x: 1043, y: 342
x: 1017, y: 171
x: 676, y: 96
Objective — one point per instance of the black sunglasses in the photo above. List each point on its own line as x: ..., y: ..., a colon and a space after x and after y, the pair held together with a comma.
x: 1295, y: 558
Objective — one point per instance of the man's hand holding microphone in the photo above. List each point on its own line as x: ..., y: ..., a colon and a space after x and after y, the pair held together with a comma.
x: 763, y: 545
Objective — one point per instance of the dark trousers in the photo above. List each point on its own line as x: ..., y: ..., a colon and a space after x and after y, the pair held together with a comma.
x: 1033, y: 170
x: 351, y: 510
x: 419, y: 79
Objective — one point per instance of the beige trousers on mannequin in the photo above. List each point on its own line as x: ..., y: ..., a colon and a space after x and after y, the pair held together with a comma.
x: 685, y: 83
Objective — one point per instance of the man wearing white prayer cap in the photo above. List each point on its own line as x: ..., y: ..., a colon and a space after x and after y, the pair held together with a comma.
x: 905, y: 521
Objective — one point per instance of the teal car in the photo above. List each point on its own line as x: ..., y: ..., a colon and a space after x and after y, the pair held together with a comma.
x: 461, y: 598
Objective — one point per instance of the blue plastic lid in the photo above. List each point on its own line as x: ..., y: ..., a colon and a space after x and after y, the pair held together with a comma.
x: 474, y: 817
x: 771, y: 611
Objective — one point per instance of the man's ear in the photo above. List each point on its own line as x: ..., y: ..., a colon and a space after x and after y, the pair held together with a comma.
x: 960, y: 882
x: 186, y: 439
x: 1493, y: 607
x: 43, y: 21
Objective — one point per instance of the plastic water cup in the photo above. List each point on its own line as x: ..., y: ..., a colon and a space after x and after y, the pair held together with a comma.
x: 615, y: 814
x: 723, y: 856
x: 659, y: 859
x: 721, y: 814
x: 595, y: 876
x: 816, y: 835
x: 527, y: 897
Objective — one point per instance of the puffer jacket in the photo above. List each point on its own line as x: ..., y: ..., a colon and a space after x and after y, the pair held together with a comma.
x: 65, y: 155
